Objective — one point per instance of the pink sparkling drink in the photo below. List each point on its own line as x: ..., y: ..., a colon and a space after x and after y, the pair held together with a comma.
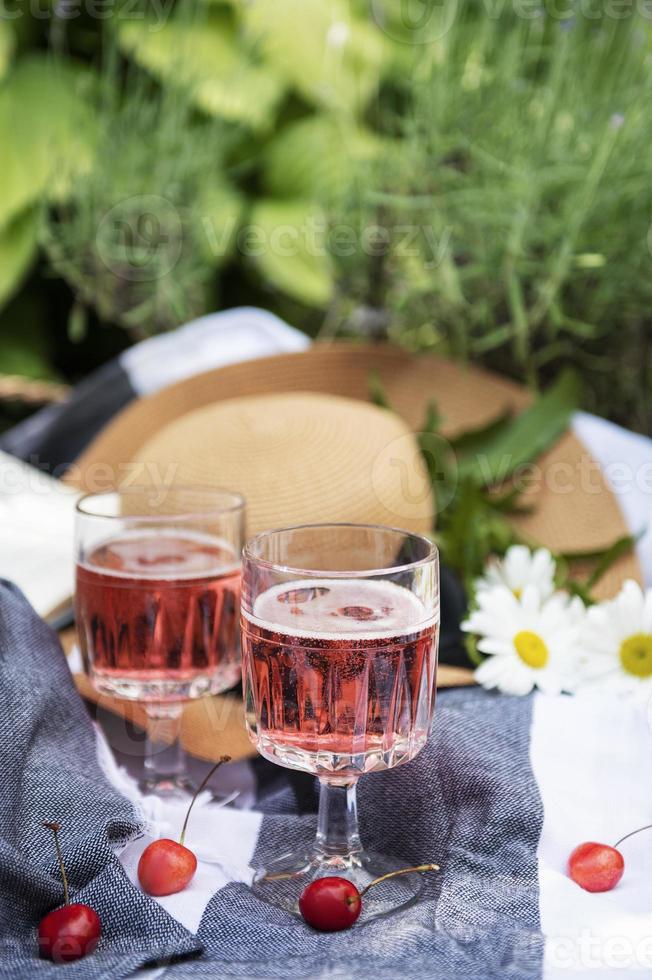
x: 339, y: 675
x: 158, y: 615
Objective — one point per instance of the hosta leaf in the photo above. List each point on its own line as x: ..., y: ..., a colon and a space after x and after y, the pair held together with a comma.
x: 18, y: 246
x: 7, y: 41
x: 46, y: 133
x: 287, y: 245
x: 330, y: 57
x: 220, y: 209
x: 316, y: 157
x: 207, y: 58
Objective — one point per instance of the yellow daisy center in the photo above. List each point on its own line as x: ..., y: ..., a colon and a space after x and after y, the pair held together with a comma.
x: 531, y: 649
x: 517, y: 593
x: 636, y: 654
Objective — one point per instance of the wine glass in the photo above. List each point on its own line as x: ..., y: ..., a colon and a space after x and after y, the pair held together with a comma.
x: 157, y: 607
x: 339, y: 659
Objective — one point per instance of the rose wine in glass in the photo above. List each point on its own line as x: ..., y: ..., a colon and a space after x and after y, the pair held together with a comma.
x: 339, y: 634
x: 357, y: 695
x: 159, y: 613
x: 157, y: 607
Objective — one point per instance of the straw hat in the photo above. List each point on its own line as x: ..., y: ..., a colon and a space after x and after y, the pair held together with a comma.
x: 297, y: 459
x: 573, y: 511
x: 296, y: 434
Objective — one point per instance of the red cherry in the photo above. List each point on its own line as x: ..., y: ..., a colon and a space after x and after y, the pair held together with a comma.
x: 330, y: 904
x: 72, y: 931
x: 69, y: 933
x: 596, y: 867
x: 334, y: 903
x: 166, y: 867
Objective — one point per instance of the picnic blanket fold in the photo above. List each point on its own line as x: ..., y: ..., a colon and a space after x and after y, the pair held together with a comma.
x: 469, y: 801
x: 50, y: 772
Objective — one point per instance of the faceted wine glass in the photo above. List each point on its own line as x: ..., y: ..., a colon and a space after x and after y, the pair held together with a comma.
x: 339, y: 647
x: 157, y: 606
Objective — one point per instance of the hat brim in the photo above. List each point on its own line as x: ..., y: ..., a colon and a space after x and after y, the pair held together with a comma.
x: 575, y: 511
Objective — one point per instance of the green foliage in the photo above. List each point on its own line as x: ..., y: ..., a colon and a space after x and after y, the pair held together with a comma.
x: 523, y: 169
x: 316, y: 157
x: 206, y: 57
x: 285, y: 245
x: 505, y: 159
x: 475, y: 497
x: 7, y: 43
x: 504, y: 447
x: 28, y: 360
x: 331, y: 57
x: 134, y: 238
x: 46, y: 133
x: 18, y: 245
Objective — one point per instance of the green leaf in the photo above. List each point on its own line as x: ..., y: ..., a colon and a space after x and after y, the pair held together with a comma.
x: 508, y: 503
x: 529, y: 435
x: 316, y: 157
x: 18, y: 247
x: 221, y: 209
x: 377, y: 393
x: 47, y: 133
x: 287, y: 245
x: 7, y: 44
x: 462, y: 550
x: 207, y: 59
x: 619, y: 548
x: 471, y: 647
x: 329, y: 56
x: 594, y: 554
x: 475, y: 440
x: 77, y: 323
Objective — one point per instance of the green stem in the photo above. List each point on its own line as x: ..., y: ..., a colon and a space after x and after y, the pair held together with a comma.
x: 55, y: 828
x: 648, y: 826
x: 395, y: 874
x: 225, y: 758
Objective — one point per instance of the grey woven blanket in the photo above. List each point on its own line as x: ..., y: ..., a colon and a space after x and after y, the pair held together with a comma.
x: 50, y: 772
x: 469, y: 801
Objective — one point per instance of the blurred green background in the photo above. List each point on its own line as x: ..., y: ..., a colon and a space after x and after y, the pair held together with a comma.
x: 470, y: 178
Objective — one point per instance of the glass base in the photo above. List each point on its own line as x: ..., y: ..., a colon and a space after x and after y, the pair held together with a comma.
x: 181, y: 789
x: 169, y: 789
x: 283, y: 880
x: 145, y: 686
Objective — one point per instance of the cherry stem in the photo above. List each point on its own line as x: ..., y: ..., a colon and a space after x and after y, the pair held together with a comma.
x: 648, y: 826
x: 55, y: 828
x: 395, y: 874
x: 224, y: 758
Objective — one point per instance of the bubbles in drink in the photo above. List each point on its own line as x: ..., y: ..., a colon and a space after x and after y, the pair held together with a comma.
x: 339, y: 607
x: 159, y: 615
x: 163, y: 554
x: 339, y: 676
x: 297, y: 596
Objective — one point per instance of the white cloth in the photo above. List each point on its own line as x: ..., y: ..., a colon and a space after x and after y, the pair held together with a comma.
x: 591, y: 760
x: 222, y: 837
x: 212, y: 341
x: 626, y: 462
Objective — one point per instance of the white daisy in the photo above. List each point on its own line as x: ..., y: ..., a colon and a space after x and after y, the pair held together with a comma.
x: 617, y: 643
x: 531, y: 639
x: 521, y: 567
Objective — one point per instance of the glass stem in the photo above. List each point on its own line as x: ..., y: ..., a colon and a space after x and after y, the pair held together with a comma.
x: 164, y: 756
x: 337, y: 822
